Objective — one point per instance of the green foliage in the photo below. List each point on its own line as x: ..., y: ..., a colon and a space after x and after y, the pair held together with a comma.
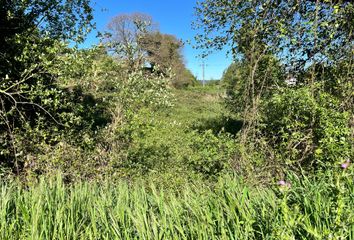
x: 102, y: 118
x: 164, y: 141
x: 138, y: 90
x: 28, y: 25
x: 76, y: 112
x: 30, y: 99
x: 210, y: 153
x: 310, y: 41
x: 165, y: 52
x: 61, y: 19
x: 307, y: 129
x: 307, y: 36
x: 104, y: 147
x: 240, y: 94
x: 37, y: 112
x: 91, y: 69
x: 313, y: 208
x: 183, y: 78
x: 250, y: 27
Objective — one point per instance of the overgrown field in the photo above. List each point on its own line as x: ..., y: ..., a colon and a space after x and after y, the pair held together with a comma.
x: 316, y: 208
x: 185, y: 141
x: 165, y: 202
x: 119, y: 140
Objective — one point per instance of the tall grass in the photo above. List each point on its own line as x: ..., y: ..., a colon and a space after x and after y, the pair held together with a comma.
x: 309, y: 209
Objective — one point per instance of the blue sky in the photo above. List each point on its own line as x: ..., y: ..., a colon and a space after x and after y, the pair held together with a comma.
x: 174, y: 17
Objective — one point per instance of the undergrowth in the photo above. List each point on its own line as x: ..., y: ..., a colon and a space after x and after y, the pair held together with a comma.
x: 310, y: 208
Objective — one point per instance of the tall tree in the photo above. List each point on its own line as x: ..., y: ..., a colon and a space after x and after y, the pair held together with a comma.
x: 23, y: 20
x: 305, y: 36
x: 313, y: 41
x: 124, y: 32
x: 164, y: 51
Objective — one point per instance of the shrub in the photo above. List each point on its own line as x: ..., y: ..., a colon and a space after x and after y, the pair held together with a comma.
x: 210, y: 154
x: 237, y: 81
x: 307, y: 128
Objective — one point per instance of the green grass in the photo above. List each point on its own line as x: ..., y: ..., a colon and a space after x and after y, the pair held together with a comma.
x: 197, y: 104
x: 163, y: 141
x: 310, y: 209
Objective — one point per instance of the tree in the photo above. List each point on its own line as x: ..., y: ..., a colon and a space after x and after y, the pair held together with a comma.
x: 164, y: 51
x: 29, y: 27
x: 303, y: 35
x: 240, y: 95
x: 22, y: 20
x: 311, y: 40
x: 184, y: 78
x: 134, y: 38
x: 59, y: 18
x: 124, y: 32
x: 30, y: 32
x: 277, y: 24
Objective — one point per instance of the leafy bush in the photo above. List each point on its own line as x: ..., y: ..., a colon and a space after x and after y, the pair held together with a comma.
x: 92, y: 69
x: 138, y: 90
x: 183, y: 78
x: 241, y: 90
x: 77, y: 102
x: 210, y: 154
x: 307, y: 128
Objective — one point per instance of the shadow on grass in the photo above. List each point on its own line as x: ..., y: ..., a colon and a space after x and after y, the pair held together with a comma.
x: 219, y: 124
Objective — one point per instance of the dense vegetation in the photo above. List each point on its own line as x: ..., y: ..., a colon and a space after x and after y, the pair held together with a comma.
x: 313, y: 208
x: 120, y: 141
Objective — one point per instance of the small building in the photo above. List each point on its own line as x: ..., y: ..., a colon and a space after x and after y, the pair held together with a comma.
x: 291, y: 81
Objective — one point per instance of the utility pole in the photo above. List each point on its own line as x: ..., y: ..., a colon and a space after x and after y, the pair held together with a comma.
x: 203, y: 72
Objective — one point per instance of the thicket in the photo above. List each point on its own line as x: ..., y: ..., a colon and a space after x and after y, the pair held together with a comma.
x: 139, y: 158
x: 86, y: 112
x: 62, y: 107
x: 291, y: 81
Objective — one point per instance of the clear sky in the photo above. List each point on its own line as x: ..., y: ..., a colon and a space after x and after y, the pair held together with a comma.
x: 174, y: 17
